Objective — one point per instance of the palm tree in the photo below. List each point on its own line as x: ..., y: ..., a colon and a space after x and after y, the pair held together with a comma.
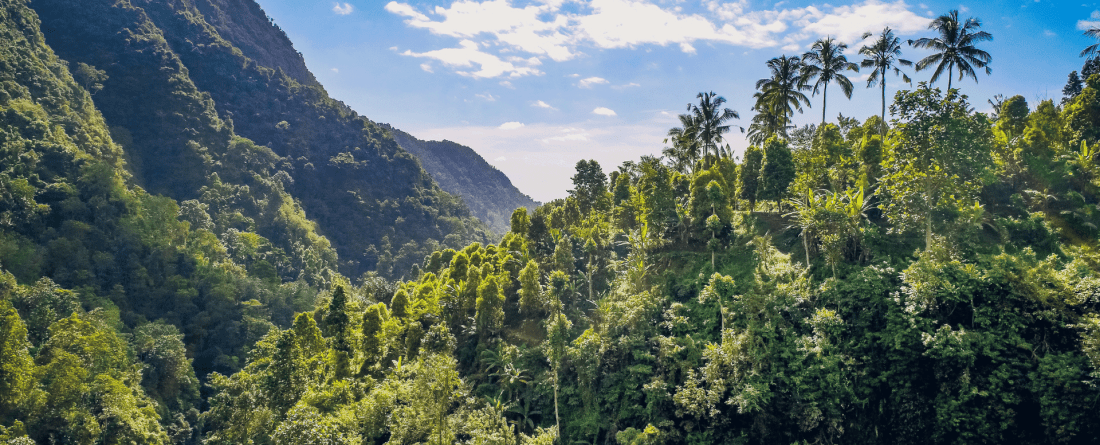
x: 955, y: 47
x: 685, y: 144
x: 882, y: 55
x: 711, y: 119
x: 779, y: 96
x: 825, y: 62
x: 1092, y: 50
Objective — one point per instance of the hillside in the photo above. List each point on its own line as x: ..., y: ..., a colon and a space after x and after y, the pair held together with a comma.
x: 459, y: 170
x: 176, y: 91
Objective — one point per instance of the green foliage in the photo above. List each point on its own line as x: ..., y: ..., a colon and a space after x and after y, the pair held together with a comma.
x: 776, y: 170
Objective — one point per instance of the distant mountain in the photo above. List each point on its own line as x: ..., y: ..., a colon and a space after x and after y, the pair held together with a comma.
x: 459, y: 170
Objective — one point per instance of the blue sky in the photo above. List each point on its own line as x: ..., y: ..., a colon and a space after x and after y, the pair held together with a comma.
x: 536, y: 85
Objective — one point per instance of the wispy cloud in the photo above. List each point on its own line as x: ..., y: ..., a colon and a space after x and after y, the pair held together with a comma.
x: 1092, y: 22
x: 602, y: 111
x: 488, y: 97
x: 623, y: 87
x: 343, y: 8
x: 510, y: 125
x: 590, y: 81
x: 467, y: 55
x: 541, y: 104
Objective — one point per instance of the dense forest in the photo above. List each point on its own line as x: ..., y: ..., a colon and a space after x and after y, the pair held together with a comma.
x: 930, y: 274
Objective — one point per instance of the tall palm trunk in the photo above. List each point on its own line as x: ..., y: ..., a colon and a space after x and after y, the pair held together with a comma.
x: 950, y: 75
x: 824, y: 101
x: 882, y: 129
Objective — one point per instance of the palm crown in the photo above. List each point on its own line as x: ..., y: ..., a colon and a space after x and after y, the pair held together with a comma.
x: 711, y: 119
x: 779, y: 96
x: 955, y: 47
x: 825, y: 63
x: 884, y: 54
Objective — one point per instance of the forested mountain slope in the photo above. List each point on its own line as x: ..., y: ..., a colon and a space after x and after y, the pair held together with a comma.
x: 459, y: 170
x: 176, y: 91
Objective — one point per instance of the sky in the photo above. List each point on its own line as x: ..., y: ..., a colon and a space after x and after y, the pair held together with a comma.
x: 536, y: 85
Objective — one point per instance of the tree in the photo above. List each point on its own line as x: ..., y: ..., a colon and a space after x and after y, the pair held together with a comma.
x: 954, y: 48
x: 824, y: 63
x: 936, y: 159
x: 776, y: 170
x: 882, y: 56
x: 530, y: 291
x: 1073, y: 87
x: 777, y: 98
x: 89, y: 77
x: 490, y: 307
x: 711, y: 119
x: 685, y: 144
x: 589, y: 186
x: 336, y: 326
x: 715, y: 224
x: 16, y: 365
x: 748, y: 178
x: 520, y: 223
x: 372, y: 329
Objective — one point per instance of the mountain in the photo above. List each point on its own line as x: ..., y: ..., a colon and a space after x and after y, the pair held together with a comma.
x: 459, y: 170
x: 177, y: 91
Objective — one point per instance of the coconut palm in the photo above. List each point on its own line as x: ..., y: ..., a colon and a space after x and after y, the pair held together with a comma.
x: 883, y: 55
x: 826, y: 63
x: 685, y: 144
x: 1092, y: 50
x: 778, y: 97
x: 711, y: 119
x: 955, y: 48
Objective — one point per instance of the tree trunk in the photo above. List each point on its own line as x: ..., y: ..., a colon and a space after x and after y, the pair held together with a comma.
x: 950, y: 75
x: 824, y: 101
x: 928, y: 218
x: 806, y: 246
x: 882, y: 130
x: 557, y: 418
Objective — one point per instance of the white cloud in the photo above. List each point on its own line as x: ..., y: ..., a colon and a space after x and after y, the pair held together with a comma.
x: 488, y: 97
x: 342, y: 8
x: 629, y: 85
x: 1049, y: 33
x: 518, y: 28
x: 507, y: 84
x: 500, y: 159
x: 574, y: 75
x: 493, y: 33
x: 848, y: 23
x: 510, y: 125
x: 405, y: 10
x: 426, y: 67
x: 588, y: 82
x: 335, y: 70
x: 963, y: 9
x: 468, y: 55
x: 541, y: 104
x: 1093, y: 22
x: 602, y: 111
